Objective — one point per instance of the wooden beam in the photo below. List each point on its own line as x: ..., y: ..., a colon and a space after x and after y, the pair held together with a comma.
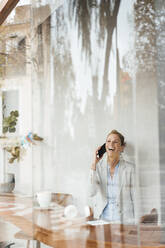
x: 6, y: 6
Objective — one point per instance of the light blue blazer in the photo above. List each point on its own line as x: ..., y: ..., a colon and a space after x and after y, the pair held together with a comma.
x: 125, y: 194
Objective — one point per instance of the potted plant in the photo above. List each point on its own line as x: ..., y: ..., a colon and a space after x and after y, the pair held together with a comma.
x: 10, y: 122
x: 9, y: 125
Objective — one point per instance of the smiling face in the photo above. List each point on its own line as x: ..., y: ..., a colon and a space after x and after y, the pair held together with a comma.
x: 113, y: 146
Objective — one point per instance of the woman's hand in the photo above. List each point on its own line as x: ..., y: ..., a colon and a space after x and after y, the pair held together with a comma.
x: 96, y: 159
x: 90, y: 217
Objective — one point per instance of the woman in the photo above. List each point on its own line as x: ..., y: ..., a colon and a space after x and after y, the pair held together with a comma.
x: 112, y: 183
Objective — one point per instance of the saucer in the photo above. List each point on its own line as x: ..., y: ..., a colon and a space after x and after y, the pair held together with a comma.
x: 52, y: 206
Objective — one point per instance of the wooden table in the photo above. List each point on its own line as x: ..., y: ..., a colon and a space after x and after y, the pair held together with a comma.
x: 51, y: 228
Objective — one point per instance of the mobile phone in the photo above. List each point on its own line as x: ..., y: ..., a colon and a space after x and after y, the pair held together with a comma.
x: 101, y: 151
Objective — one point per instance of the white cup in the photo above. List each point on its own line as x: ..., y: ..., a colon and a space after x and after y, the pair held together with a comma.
x: 70, y: 211
x: 44, y: 198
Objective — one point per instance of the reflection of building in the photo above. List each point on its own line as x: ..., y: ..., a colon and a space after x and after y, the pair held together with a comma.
x: 15, y: 76
x: 15, y: 44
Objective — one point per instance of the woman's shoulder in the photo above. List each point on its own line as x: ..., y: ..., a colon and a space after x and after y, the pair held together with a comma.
x: 127, y: 164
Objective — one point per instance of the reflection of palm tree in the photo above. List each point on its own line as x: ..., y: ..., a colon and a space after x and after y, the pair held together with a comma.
x: 111, y: 21
x: 107, y: 19
x: 63, y: 67
x: 81, y: 9
x: 101, y: 16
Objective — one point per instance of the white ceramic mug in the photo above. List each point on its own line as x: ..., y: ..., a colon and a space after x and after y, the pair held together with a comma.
x: 70, y: 211
x: 44, y: 198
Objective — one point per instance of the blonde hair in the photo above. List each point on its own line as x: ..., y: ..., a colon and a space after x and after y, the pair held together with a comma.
x: 122, y: 139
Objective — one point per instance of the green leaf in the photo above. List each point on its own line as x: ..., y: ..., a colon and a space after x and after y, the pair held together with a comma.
x: 13, y: 118
x: 12, y: 113
x: 12, y: 124
x: 5, y: 129
x: 16, y: 113
x: 12, y: 130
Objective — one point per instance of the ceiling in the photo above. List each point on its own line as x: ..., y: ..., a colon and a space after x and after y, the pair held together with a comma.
x: 6, y: 6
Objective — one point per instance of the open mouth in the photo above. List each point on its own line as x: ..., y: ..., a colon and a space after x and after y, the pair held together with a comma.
x: 111, y: 149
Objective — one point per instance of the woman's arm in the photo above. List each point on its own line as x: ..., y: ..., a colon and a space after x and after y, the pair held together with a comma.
x: 94, y: 175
